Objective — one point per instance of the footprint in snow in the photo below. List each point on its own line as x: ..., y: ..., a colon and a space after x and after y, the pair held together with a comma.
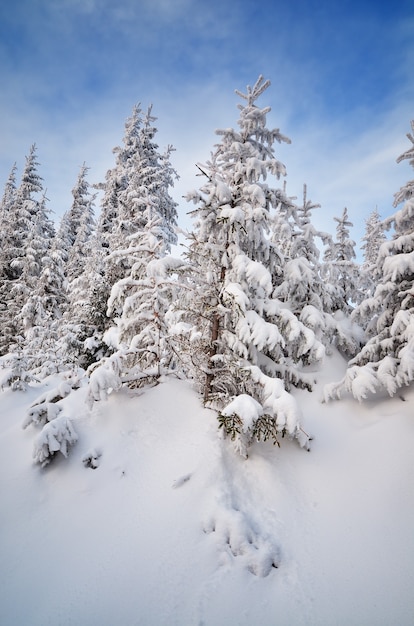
x: 181, y: 481
x: 237, y: 537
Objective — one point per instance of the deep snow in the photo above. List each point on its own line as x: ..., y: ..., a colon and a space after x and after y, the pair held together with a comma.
x: 174, y: 529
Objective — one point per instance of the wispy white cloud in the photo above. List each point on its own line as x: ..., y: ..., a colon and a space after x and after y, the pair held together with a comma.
x: 80, y: 66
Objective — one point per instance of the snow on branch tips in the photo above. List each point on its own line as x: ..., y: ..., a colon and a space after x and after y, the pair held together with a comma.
x: 104, y: 379
x: 359, y: 381
x: 46, y: 408
x: 56, y: 436
x: 246, y: 420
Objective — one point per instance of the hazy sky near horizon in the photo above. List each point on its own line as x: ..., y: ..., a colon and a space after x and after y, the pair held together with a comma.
x: 342, y: 89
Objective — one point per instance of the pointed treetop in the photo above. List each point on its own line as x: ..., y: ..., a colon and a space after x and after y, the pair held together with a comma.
x: 406, y: 192
x: 132, y: 127
x: 253, y: 119
x: 409, y: 154
x: 149, y: 118
x: 30, y: 178
x: 253, y: 93
x: 343, y: 220
x: 10, y: 186
x: 81, y: 180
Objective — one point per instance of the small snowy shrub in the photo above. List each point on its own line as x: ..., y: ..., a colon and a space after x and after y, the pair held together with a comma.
x: 46, y: 408
x: 264, y: 427
x: 104, y: 379
x: 40, y: 414
x: 56, y: 436
x: 238, y: 420
x: 17, y: 376
x: 245, y: 420
x: 16, y: 380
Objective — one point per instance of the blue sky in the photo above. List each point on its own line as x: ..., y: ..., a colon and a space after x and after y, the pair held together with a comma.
x: 342, y: 89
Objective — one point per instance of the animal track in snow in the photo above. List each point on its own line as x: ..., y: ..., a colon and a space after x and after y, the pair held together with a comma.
x: 237, y: 538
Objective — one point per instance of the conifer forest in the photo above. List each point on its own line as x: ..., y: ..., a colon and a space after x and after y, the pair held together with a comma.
x: 249, y: 310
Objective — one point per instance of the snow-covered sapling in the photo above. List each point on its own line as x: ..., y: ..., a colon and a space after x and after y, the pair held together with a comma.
x: 56, y: 436
x: 104, y: 379
x: 246, y: 420
x: 46, y: 408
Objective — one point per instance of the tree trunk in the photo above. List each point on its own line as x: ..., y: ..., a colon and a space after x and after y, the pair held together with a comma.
x: 215, y: 329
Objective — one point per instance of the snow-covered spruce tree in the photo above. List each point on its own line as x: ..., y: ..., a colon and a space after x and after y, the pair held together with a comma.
x: 6, y: 222
x: 139, y: 301
x: 17, y: 375
x: 109, y: 235
x: 88, y: 246
x: 29, y: 299
x: 143, y: 299
x: 242, y: 344
x: 16, y: 218
x: 43, y: 308
x: 77, y: 226
x: 7, y: 244
x: 147, y: 176
x: 369, y: 272
x: 303, y: 287
x: 85, y: 319
x: 56, y: 436
x: 387, y: 359
x: 341, y: 270
x: 299, y: 277
x: 282, y: 227
x: 340, y: 273
x: 76, y: 234
x: 136, y: 173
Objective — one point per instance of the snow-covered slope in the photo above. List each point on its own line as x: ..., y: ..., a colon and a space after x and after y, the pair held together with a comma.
x: 173, y: 529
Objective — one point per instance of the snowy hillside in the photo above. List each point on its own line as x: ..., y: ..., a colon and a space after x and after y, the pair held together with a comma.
x: 174, y: 529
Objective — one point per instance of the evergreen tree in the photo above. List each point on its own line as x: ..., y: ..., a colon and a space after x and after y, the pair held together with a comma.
x: 77, y: 241
x: 387, y: 359
x: 32, y: 233
x: 7, y: 242
x: 32, y: 286
x: 239, y: 340
x: 340, y: 267
x: 143, y: 299
x: 374, y: 238
x: 139, y: 302
x: 146, y: 177
x: 6, y: 224
x: 282, y: 227
x: 43, y: 285
x: 77, y: 226
x: 140, y: 174
x: 303, y: 284
x: 35, y: 283
x: 81, y: 335
x: 91, y: 276
x: 110, y: 227
x: 369, y: 272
